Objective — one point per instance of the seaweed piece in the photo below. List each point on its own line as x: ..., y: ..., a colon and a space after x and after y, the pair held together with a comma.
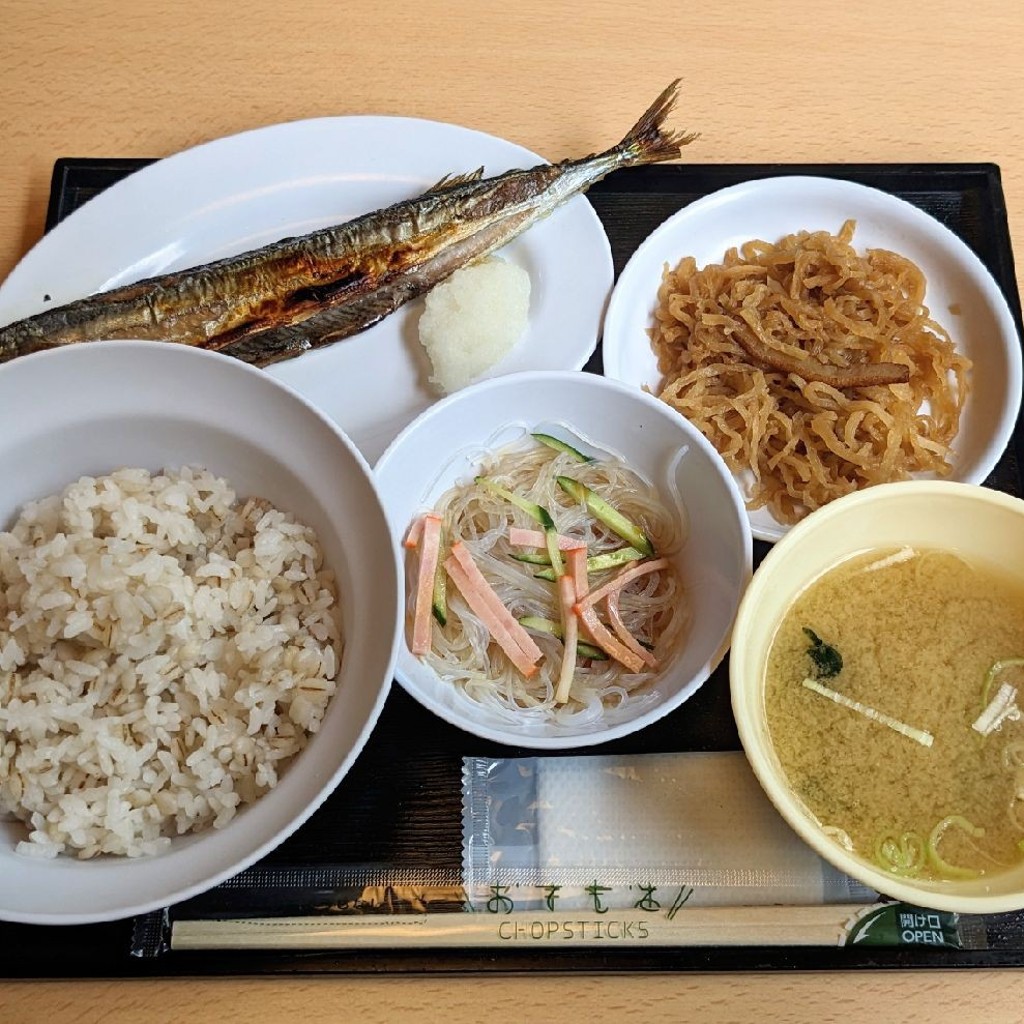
x: 828, y: 662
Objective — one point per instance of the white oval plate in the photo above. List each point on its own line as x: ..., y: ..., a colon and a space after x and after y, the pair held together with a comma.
x: 247, y: 190
x: 984, y: 329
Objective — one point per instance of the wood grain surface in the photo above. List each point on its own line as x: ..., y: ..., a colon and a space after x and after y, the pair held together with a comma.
x: 782, y: 81
x: 909, y: 998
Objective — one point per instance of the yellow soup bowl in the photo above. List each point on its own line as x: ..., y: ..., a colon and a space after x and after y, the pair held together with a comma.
x: 983, y: 526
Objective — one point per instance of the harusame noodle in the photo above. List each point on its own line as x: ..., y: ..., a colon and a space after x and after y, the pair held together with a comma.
x: 655, y: 608
x: 759, y: 352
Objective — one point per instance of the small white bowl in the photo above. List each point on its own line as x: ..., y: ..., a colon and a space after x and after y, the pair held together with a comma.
x: 984, y: 526
x: 446, y: 445
x: 983, y: 329
x: 90, y: 409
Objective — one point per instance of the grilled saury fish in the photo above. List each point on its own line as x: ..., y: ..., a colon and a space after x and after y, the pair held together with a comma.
x: 300, y: 293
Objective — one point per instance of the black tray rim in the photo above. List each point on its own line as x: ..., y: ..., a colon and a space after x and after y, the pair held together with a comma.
x: 900, y: 176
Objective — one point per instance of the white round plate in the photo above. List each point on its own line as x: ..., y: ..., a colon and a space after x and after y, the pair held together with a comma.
x: 250, y: 189
x: 983, y: 328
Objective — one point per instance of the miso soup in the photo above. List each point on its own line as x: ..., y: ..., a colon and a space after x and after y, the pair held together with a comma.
x: 892, y: 692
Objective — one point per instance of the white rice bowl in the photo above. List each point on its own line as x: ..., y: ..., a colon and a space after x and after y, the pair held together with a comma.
x: 131, y: 404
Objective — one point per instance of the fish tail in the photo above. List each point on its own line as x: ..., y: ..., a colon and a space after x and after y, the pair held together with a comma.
x: 647, y: 142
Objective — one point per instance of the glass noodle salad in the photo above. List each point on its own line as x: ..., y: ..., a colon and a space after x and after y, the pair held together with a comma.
x: 545, y: 588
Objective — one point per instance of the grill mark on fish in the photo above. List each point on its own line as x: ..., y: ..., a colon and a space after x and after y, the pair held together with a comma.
x: 303, y: 292
x: 329, y: 325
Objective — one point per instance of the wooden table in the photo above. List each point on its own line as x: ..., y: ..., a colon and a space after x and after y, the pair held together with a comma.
x: 783, y: 81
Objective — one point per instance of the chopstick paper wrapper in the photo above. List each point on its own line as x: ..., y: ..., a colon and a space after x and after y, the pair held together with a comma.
x: 562, y: 832
x: 657, y: 850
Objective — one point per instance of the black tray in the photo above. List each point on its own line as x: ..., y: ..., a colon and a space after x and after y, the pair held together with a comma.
x: 399, y: 809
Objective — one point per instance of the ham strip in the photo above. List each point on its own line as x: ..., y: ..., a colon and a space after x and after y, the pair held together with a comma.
x: 500, y: 623
x: 619, y: 627
x: 430, y: 549
x: 570, y: 637
x: 606, y: 640
x: 520, y: 538
x: 631, y: 572
x: 412, y: 538
x: 577, y: 559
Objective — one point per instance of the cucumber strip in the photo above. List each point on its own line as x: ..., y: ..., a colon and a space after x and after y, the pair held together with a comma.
x: 551, y: 536
x: 532, y: 557
x: 534, y: 511
x: 552, y: 628
x: 619, y: 524
x: 611, y: 559
x: 439, y: 602
x: 596, y: 563
x: 541, y: 625
x: 561, y: 446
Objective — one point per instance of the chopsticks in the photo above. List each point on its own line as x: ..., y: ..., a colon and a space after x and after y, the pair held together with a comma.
x: 705, y: 926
